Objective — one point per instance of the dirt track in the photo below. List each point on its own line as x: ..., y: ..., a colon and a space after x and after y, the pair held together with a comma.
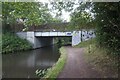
x: 76, y: 67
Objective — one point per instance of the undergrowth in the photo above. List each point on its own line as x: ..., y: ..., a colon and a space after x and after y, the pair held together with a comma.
x: 12, y: 43
x: 103, y: 59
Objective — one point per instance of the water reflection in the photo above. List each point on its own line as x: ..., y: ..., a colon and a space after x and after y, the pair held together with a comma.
x: 24, y: 64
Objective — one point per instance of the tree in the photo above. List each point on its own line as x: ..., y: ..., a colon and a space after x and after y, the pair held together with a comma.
x: 81, y: 19
x: 31, y: 13
x: 107, y: 19
x: 59, y: 5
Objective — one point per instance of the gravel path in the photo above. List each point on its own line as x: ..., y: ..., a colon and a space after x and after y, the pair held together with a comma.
x: 76, y: 67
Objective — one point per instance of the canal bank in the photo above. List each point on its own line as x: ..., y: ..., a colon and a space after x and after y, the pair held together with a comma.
x: 21, y: 61
x: 11, y: 43
x: 24, y: 64
x: 54, y: 71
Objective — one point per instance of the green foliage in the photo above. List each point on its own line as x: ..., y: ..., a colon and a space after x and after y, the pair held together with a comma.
x: 64, y: 41
x: 32, y: 13
x: 107, y: 21
x: 101, y: 58
x: 81, y: 20
x: 102, y: 61
x: 12, y: 43
x: 0, y: 38
x: 41, y: 73
x: 86, y: 43
x: 26, y: 13
x: 60, y: 5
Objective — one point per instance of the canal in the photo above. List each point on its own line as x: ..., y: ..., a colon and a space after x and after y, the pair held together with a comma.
x: 24, y: 64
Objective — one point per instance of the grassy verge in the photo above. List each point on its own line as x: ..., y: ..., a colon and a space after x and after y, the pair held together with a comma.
x: 102, y: 59
x: 53, y: 72
x: 86, y: 43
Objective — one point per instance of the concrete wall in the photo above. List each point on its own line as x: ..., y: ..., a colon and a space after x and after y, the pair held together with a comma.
x: 36, y: 42
x: 22, y: 35
x: 86, y: 35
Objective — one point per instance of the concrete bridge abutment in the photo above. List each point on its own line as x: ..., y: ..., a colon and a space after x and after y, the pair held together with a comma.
x: 36, y: 42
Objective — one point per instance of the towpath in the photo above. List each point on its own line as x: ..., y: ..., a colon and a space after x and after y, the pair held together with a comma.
x: 76, y: 66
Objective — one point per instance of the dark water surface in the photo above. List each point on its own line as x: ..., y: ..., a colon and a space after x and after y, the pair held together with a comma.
x: 24, y: 64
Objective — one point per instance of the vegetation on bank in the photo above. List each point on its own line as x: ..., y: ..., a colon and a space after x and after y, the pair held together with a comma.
x: 102, y: 61
x: 86, y: 43
x: 63, y: 41
x: 53, y: 72
x: 101, y: 58
x: 12, y: 43
x: 0, y: 43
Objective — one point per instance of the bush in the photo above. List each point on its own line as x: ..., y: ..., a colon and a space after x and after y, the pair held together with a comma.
x: 12, y: 43
x: 107, y: 25
x: 103, y: 59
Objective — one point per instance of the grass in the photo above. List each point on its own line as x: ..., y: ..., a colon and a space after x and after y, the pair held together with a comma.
x: 86, y: 43
x: 102, y: 59
x: 53, y: 72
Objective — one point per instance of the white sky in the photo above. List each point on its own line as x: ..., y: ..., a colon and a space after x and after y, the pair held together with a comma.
x: 65, y: 16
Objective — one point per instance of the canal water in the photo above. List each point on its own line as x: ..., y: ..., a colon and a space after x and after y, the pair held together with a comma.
x: 24, y: 64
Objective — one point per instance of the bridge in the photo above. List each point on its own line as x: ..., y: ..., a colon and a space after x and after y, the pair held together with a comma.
x: 41, y: 39
x: 53, y: 34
